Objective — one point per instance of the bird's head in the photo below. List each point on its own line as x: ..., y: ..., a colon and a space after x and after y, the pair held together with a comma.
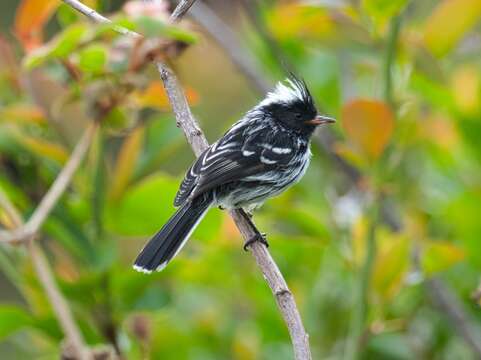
x: 291, y: 104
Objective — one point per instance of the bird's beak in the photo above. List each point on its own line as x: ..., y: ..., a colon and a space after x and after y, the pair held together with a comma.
x: 320, y: 119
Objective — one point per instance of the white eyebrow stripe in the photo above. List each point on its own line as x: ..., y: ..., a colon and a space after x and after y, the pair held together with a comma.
x: 266, y: 146
x: 248, y: 153
x: 267, y: 161
x: 279, y: 150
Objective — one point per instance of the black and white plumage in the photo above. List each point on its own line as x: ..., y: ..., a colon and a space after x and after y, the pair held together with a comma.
x: 258, y: 157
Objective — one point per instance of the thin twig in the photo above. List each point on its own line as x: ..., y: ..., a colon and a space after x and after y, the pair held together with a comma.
x: 96, y: 17
x: 449, y: 305
x: 57, y: 189
x: 198, y: 142
x: 59, y: 305
x: 284, y: 298
x: 181, y: 9
x: 183, y: 115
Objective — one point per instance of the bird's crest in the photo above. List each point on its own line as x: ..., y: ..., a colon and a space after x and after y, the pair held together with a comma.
x: 291, y: 90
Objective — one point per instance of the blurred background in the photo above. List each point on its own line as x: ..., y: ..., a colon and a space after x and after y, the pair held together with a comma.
x: 379, y: 242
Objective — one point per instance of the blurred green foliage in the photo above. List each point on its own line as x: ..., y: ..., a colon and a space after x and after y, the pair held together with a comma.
x: 403, y: 78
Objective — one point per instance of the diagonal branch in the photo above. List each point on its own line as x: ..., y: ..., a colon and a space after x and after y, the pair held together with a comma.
x: 57, y: 301
x: 198, y: 142
x: 181, y: 9
x: 184, y: 118
x: 48, y: 202
x: 450, y: 305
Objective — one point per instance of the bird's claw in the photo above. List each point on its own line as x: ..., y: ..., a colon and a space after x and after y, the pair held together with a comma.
x: 261, y: 237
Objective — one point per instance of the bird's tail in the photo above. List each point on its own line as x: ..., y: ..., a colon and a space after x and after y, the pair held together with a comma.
x: 172, y: 237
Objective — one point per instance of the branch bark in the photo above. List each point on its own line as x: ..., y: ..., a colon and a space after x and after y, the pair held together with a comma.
x: 48, y: 202
x: 198, y: 142
x: 44, y: 273
x: 450, y: 305
x: 181, y: 9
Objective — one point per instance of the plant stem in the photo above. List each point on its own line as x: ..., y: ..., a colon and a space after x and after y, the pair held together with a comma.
x: 357, y: 328
x: 391, y: 48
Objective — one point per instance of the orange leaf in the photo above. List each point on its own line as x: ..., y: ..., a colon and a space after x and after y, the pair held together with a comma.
x: 439, y: 130
x: 23, y: 113
x: 369, y: 125
x: 30, y: 18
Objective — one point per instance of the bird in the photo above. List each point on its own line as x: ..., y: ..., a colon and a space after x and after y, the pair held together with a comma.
x: 259, y: 157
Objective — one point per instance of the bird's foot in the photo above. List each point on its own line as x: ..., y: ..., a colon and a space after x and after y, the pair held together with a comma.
x: 261, y: 237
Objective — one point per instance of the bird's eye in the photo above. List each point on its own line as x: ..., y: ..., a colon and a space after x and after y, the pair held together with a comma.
x: 298, y: 115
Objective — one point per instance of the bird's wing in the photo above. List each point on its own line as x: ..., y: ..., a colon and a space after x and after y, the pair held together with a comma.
x: 190, y: 180
x: 240, y: 153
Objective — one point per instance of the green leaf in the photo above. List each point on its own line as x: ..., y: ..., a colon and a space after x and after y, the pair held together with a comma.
x: 432, y: 92
x: 137, y: 290
x: 391, y: 265
x: 151, y: 27
x: 383, y: 9
x: 144, y: 207
x: 117, y: 119
x: 210, y: 226
x: 462, y: 215
x: 439, y: 256
x: 12, y: 319
x: 93, y: 59
x: 114, y: 27
x: 66, y: 15
x: 59, y: 47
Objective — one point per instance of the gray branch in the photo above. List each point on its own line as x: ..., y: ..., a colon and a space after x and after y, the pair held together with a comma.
x: 450, y: 305
x: 181, y: 9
